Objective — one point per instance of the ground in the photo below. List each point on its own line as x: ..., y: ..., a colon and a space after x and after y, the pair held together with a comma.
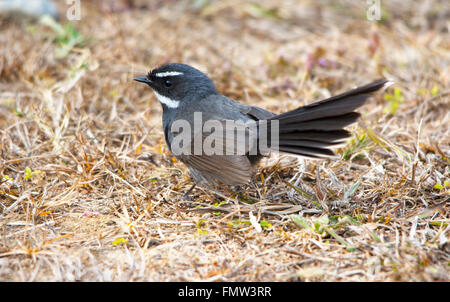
x: 90, y: 192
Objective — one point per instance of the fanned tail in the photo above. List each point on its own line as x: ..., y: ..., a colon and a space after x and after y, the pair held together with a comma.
x: 311, y: 130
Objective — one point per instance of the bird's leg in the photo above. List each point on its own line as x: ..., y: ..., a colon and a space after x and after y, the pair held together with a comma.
x: 253, y: 184
x: 236, y: 190
x: 241, y: 194
x: 186, y: 195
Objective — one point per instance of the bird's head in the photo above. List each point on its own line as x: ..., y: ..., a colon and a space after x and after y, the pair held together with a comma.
x: 175, y: 83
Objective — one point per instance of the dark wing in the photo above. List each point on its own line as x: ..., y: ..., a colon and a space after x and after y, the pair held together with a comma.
x: 257, y: 113
x: 222, y: 156
x: 227, y: 169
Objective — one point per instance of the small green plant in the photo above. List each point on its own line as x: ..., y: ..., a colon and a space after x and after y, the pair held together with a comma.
x: 434, y: 90
x: 394, y: 100
x: 67, y: 37
x: 120, y: 241
x: 352, y: 190
x: 385, y: 143
x: 265, y: 224
x: 5, y: 178
x: 259, y: 11
x: 322, y: 225
x: 240, y: 223
x: 29, y: 173
x: 439, y: 186
x: 357, y: 144
x: 201, y: 223
x: 19, y: 113
x: 217, y: 204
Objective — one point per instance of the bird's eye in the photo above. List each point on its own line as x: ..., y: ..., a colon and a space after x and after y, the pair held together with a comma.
x: 167, y: 83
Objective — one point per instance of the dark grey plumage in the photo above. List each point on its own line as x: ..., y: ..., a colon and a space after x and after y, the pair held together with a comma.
x: 308, y: 131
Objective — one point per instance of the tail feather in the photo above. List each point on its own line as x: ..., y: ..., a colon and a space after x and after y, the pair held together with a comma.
x: 309, y: 143
x: 317, y: 135
x: 307, y: 151
x: 323, y: 124
x: 336, y: 105
x: 312, y: 129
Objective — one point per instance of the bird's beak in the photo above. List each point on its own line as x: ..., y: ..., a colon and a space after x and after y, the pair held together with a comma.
x: 143, y: 80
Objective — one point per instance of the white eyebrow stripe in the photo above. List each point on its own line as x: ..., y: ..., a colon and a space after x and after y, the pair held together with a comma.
x: 167, y: 101
x: 168, y: 74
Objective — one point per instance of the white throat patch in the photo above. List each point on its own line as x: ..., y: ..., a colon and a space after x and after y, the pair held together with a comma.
x: 168, y: 74
x: 167, y: 101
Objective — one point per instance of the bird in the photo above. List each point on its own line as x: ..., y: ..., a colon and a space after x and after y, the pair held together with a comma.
x: 309, y: 131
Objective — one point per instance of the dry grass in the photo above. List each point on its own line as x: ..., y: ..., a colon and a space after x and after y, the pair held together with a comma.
x: 89, y: 190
